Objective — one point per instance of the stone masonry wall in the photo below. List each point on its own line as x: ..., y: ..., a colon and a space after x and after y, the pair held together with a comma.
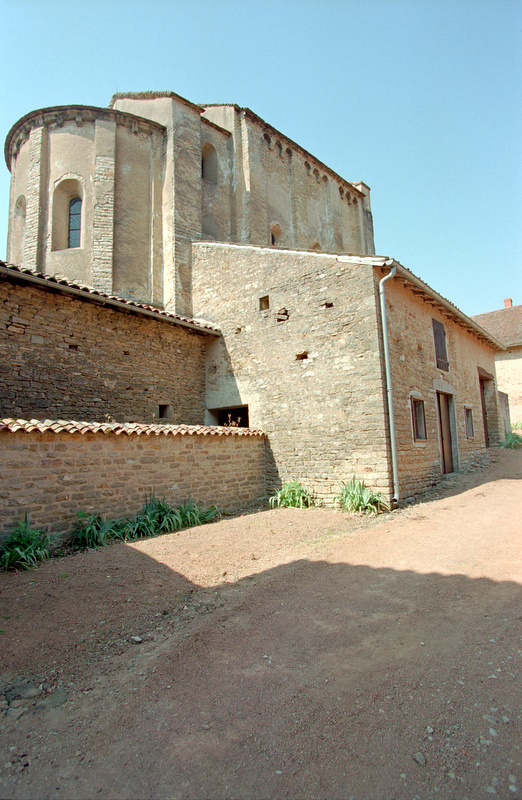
x: 62, y: 357
x: 308, y: 366
x: 52, y: 476
x: 414, y: 371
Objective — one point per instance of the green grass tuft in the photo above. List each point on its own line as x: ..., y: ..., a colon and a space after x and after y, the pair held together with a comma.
x: 358, y: 498
x: 24, y: 548
x: 292, y: 495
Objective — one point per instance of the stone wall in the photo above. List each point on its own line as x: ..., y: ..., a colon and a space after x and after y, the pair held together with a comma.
x: 415, y: 374
x: 66, y: 358
x: 52, y: 476
x: 301, y: 348
x: 509, y: 372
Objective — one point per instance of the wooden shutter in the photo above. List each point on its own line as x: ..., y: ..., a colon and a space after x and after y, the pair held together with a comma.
x: 439, y: 335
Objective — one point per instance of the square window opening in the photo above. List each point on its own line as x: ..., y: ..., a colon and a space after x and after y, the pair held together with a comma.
x: 163, y: 411
x: 233, y: 417
x: 264, y: 303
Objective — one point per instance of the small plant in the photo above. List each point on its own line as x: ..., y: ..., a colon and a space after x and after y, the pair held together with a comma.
x: 356, y: 497
x: 155, y: 518
x: 292, y: 495
x: 25, y: 547
x: 512, y: 440
x: 93, y: 531
x: 516, y: 426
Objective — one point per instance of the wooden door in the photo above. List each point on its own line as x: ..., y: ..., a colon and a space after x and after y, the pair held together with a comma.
x: 446, y: 445
x: 484, y: 411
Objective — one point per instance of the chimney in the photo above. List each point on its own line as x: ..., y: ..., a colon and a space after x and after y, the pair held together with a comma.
x: 508, y: 302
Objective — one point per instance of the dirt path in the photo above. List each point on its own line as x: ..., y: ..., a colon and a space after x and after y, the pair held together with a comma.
x: 283, y: 654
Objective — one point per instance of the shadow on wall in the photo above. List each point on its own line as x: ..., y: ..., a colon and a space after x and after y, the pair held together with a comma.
x: 305, y: 663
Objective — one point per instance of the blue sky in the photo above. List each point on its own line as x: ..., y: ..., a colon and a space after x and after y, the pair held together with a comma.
x: 418, y: 98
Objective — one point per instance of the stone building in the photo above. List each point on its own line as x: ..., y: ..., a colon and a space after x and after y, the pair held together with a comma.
x: 346, y: 361
x: 506, y: 325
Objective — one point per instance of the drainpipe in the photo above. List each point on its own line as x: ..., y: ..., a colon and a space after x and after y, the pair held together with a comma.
x: 391, y: 417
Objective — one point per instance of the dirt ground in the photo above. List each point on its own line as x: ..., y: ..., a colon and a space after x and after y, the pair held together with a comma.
x: 280, y: 654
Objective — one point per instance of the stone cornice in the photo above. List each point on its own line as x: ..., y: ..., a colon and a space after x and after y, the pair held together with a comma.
x: 56, y: 116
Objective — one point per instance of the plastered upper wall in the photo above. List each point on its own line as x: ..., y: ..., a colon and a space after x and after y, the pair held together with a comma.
x: 114, y: 164
x: 280, y: 186
x: 138, y: 169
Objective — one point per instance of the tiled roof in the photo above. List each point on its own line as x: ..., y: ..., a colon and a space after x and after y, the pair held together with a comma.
x: 59, y: 282
x: 129, y: 428
x: 505, y: 324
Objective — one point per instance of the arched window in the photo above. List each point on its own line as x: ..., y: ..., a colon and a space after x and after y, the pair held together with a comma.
x: 75, y: 222
x: 18, y: 231
x: 276, y: 235
x: 209, y: 166
x: 67, y: 215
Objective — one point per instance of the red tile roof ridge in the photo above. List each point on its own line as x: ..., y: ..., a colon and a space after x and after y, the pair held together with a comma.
x: 79, y: 286
x: 73, y: 426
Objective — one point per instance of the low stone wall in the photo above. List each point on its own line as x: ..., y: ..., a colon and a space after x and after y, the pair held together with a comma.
x: 53, y: 470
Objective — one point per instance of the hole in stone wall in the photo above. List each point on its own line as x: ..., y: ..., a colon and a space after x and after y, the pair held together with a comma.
x: 264, y: 303
x: 233, y: 417
x: 282, y: 315
x: 163, y: 411
x: 73, y: 347
x: 301, y: 356
x: 327, y: 305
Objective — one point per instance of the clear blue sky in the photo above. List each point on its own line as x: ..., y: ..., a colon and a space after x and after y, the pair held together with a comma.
x: 419, y: 98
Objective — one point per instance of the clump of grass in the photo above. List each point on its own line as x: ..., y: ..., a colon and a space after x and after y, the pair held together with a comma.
x: 25, y: 547
x: 516, y: 426
x: 512, y: 440
x: 155, y: 518
x: 358, y: 498
x: 93, y: 531
x: 292, y: 495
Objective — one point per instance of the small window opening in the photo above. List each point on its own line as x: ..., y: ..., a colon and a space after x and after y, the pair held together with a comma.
x: 73, y: 347
x: 264, y: 303
x: 276, y: 235
x: 232, y: 417
x: 163, y: 411
x: 469, y: 423
x: 418, y: 419
x: 75, y: 222
x: 301, y: 356
x: 327, y: 305
x: 209, y: 165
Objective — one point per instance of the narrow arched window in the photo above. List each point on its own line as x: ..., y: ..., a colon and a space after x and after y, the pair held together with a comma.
x: 209, y: 164
x: 75, y: 222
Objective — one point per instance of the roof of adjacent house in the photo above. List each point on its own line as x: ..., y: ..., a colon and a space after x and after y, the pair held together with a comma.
x: 505, y: 324
x: 58, y: 283
x: 118, y: 428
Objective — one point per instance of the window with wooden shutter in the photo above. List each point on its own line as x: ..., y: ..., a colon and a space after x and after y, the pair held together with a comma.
x: 441, y: 354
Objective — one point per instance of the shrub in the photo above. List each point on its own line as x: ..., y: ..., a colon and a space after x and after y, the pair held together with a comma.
x: 93, y: 531
x: 155, y: 518
x: 292, y: 495
x: 512, y: 440
x: 24, y: 548
x: 356, y: 497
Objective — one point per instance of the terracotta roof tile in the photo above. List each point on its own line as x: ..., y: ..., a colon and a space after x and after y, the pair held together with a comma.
x: 128, y: 428
x: 90, y: 293
x: 505, y: 324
